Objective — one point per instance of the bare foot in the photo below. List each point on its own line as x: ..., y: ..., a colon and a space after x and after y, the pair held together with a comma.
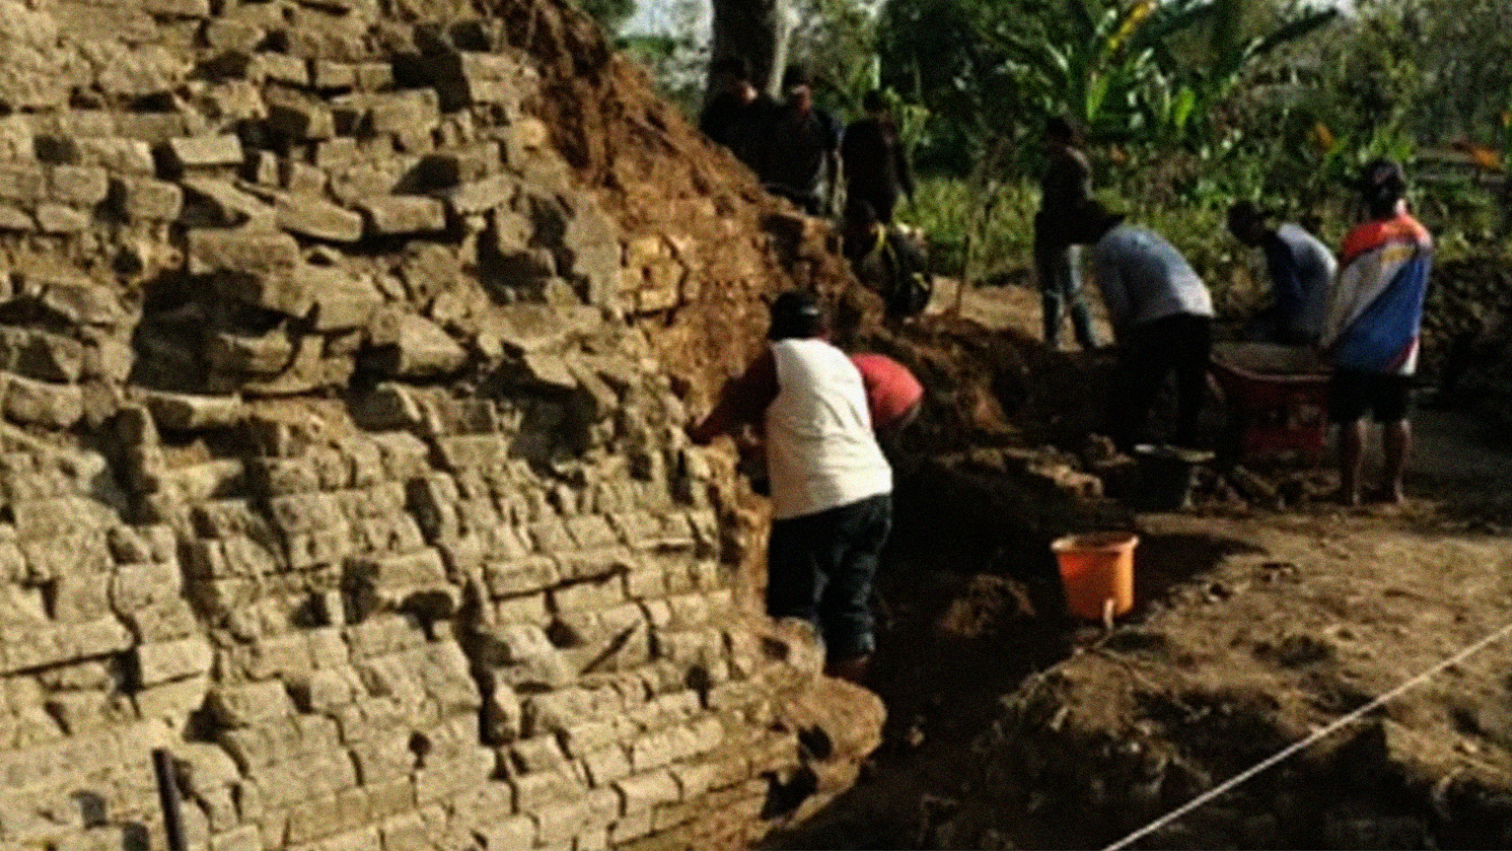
x: 1387, y: 496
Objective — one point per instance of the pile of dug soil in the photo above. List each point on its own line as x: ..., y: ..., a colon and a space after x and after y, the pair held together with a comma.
x: 994, y: 386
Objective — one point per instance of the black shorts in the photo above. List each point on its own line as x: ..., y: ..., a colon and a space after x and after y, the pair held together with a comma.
x: 1351, y: 395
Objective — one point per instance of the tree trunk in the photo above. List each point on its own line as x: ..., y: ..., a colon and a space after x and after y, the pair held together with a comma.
x: 757, y: 30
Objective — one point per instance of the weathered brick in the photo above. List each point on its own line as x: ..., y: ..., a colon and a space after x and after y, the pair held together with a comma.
x: 319, y: 219
x: 178, y: 8
x: 442, y: 779
x: 559, y: 821
x: 467, y: 77
x: 118, y: 155
x: 146, y: 199
x: 61, y: 219
x: 366, y: 114
x: 266, y: 354
x: 22, y: 182
x: 328, y: 75
x: 305, y: 512
x: 204, y: 151
x: 606, y: 765
x: 525, y: 609
x: 171, y: 660
x: 42, y: 403
x: 508, y: 835
x: 480, y: 196
x: 302, y: 121
x: 418, y: 348
x: 541, y: 789
x: 78, y: 185
x: 250, y: 254
x: 404, y: 214
x: 644, y: 791
x: 279, y: 67
x: 588, y: 595
x: 250, y: 705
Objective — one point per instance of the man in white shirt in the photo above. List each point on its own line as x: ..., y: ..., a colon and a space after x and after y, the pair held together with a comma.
x: 831, y: 485
x: 1162, y: 317
x: 1301, y: 270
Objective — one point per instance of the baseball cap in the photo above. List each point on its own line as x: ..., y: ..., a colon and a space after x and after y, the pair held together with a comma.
x: 795, y: 313
x: 1382, y: 181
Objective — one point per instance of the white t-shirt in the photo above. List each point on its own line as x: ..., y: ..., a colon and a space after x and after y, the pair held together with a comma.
x: 821, y: 452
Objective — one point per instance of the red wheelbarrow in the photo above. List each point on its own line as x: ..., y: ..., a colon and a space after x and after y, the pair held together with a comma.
x: 1276, y: 398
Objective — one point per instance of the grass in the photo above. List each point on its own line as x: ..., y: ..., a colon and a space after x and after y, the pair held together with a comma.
x: 948, y: 209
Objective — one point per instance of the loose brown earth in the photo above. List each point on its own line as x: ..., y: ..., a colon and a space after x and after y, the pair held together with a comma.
x: 1012, y: 727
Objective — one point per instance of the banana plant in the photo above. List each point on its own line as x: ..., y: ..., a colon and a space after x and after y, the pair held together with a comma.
x: 1115, y: 66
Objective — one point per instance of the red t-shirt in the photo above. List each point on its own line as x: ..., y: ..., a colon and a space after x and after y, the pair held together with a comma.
x: 891, y: 390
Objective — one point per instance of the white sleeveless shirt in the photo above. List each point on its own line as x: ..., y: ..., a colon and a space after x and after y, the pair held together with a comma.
x: 821, y: 453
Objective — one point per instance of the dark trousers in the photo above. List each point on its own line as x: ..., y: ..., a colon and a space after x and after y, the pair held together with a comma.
x: 820, y: 568
x: 1148, y: 354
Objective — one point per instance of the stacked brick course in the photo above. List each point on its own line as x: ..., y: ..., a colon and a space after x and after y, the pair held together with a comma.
x: 338, y: 465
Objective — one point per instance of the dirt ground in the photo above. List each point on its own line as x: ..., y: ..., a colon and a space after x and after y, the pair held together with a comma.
x: 1011, y: 726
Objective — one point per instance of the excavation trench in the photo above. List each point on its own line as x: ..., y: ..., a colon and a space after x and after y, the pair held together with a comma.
x: 1012, y: 726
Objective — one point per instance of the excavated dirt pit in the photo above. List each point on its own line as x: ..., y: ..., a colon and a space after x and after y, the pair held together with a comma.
x: 1012, y: 726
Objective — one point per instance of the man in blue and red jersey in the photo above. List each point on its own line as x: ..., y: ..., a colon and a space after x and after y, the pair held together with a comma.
x: 1371, y: 334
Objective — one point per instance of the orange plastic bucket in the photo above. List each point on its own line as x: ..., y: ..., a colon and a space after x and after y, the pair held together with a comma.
x: 1097, y: 571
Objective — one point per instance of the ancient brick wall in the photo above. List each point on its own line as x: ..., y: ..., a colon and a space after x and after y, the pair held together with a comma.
x: 339, y: 461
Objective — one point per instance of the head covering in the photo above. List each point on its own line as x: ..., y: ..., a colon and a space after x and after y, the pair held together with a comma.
x: 795, y: 313
x: 795, y: 75
x: 1243, y: 215
x: 1092, y: 220
x: 735, y: 66
x: 1060, y: 128
x: 1382, y: 183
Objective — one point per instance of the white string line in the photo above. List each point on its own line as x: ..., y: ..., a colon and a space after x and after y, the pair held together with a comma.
x: 1245, y: 775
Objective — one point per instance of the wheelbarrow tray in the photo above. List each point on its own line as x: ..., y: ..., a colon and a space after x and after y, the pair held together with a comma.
x: 1277, y: 399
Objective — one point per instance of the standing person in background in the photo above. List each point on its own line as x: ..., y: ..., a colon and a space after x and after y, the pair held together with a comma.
x: 1162, y: 318
x: 831, y: 486
x: 799, y: 158
x: 1301, y: 270
x: 736, y: 115
x: 876, y: 169
x: 1065, y: 190
x: 1370, y: 337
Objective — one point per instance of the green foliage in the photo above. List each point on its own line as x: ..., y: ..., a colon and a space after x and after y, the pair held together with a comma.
x: 995, y: 225
x: 1126, y: 71
x: 836, y: 41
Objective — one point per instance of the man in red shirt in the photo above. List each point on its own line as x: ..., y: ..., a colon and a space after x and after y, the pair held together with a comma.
x: 893, y: 395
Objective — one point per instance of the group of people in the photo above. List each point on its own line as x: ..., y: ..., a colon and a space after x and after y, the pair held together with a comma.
x: 801, y: 152
x: 824, y: 416
x: 1362, y: 311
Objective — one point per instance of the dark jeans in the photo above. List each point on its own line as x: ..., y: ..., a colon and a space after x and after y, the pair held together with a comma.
x: 1147, y: 355
x: 820, y: 567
